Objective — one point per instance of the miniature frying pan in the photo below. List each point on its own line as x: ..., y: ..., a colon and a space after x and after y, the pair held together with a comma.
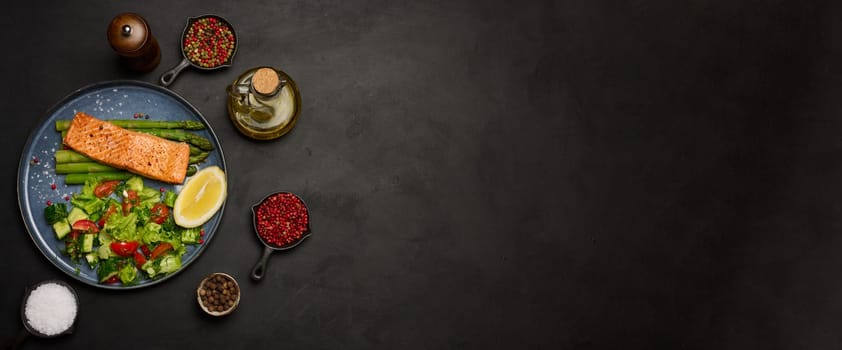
x: 260, y: 268
x: 169, y: 76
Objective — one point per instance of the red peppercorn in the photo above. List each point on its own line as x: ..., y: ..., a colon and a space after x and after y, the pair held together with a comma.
x: 282, y: 219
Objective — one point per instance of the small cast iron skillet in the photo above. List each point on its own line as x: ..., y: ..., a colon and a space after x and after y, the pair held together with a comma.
x: 260, y: 268
x: 169, y: 76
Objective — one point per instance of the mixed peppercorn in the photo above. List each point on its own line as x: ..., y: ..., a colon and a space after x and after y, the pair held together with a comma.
x: 282, y: 219
x: 209, y: 42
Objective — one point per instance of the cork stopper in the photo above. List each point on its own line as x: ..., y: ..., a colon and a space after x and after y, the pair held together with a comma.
x: 265, y: 81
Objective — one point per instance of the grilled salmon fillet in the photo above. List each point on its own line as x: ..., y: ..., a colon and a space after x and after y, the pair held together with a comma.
x: 142, y: 154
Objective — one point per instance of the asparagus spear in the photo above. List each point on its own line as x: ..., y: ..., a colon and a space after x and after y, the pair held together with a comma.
x: 72, y: 162
x: 80, y: 178
x: 144, y: 124
x: 68, y: 162
x: 180, y: 135
x: 68, y: 156
x: 194, y: 150
x: 83, y: 167
x: 198, y: 158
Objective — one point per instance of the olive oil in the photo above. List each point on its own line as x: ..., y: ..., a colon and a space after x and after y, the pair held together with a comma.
x: 263, y: 103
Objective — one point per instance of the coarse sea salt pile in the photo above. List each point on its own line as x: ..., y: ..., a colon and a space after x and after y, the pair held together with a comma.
x: 51, y: 309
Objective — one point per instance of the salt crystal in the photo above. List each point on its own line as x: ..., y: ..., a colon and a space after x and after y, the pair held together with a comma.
x: 50, y: 309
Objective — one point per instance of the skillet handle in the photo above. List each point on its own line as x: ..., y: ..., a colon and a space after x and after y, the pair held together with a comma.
x: 15, y: 343
x: 260, y: 268
x: 169, y: 76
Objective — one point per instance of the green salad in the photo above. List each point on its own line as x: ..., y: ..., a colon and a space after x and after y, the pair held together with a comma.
x: 123, y: 230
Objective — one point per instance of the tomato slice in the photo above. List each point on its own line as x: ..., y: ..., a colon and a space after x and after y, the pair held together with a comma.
x: 139, y: 259
x: 85, y: 225
x: 160, y: 213
x: 124, y: 249
x: 112, y: 280
x: 145, y: 250
x: 160, y: 250
x: 105, y: 189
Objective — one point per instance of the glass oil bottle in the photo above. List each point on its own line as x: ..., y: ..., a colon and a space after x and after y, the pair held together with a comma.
x: 263, y: 103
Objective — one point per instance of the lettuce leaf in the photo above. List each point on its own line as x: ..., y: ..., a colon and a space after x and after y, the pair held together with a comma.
x: 163, y: 265
x: 135, y: 183
x: 148, y: 197
x: 122, y: 228
x: 191, y: 235
x: 128, y: 274
x: 151, y: 233
x: 170, y: 263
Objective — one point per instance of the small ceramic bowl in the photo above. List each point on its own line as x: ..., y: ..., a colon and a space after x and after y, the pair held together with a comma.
x: 219, y: 286
x: 28, y: 293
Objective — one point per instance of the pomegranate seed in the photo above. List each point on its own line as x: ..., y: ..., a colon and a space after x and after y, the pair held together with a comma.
x: 53, y: 186
x: 49, y: 203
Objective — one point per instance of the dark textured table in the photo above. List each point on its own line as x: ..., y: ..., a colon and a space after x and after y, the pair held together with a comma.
x: 486, y: 174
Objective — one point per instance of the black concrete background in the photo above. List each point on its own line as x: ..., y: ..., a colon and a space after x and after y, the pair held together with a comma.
x: 487, y: 174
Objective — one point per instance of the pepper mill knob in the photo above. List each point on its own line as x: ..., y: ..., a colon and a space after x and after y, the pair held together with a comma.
x: 131, y: 38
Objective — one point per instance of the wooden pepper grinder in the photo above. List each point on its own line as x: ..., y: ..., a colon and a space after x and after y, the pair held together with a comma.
x: 131, y: 37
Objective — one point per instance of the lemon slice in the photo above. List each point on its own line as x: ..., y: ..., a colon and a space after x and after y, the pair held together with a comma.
x: 200, y: 198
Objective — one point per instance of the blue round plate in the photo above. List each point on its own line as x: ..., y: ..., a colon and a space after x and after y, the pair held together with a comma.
x: 36, y: 174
